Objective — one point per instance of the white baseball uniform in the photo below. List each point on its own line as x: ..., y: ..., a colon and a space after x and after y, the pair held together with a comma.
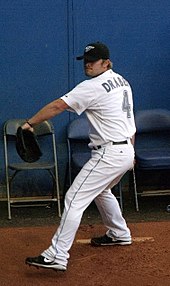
x: 108, y: 105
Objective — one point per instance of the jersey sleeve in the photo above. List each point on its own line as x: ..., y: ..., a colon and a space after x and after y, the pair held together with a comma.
x: 80, y: 97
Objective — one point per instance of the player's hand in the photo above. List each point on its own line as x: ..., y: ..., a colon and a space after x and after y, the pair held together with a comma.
x: 26, y: 126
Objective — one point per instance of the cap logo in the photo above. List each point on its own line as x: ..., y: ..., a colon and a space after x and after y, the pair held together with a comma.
x: 89, y: 48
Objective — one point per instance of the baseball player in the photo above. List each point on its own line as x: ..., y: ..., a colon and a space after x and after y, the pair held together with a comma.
x: 106, y: 99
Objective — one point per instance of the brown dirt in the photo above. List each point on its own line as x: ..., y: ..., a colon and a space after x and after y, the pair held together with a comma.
x: 142, y: 263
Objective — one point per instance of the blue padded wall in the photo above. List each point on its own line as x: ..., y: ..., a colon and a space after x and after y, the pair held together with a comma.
x: 138, y: 34
x: 40, y: 40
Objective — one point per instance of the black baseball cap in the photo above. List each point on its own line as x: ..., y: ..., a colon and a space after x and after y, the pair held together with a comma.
x: 94, y: 52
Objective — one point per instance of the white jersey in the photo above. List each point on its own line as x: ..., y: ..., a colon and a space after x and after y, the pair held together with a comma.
x: 108, y: 104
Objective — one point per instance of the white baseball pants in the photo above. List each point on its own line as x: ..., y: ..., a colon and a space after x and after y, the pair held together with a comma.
x: 94, y: 182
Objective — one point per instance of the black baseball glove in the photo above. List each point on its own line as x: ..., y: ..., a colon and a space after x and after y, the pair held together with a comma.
x: 27, y: 145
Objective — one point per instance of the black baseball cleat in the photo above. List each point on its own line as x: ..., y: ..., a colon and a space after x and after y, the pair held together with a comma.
x: 106, y: 241
x: 41, y: 261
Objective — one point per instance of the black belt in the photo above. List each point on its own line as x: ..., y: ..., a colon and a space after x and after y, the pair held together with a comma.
x: 113, y: 143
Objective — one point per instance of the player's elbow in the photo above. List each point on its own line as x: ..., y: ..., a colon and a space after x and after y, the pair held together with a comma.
x: 58, y: 106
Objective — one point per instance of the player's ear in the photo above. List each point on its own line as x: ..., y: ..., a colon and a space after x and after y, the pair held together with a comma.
x: 107, y: 63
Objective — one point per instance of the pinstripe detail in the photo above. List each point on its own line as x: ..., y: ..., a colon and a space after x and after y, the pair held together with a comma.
x: 77, y: 192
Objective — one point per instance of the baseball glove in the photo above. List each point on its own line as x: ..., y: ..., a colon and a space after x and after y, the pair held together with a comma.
x: 27, y: 145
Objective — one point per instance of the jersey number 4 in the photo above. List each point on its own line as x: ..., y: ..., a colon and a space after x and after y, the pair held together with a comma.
x: 126, y: 107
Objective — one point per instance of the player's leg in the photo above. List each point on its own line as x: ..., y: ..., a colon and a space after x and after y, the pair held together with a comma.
x: 108, y: 206
x: 93, y: 179
x: 81, y: 193
x: 86, y: 186
x: 104, y: 168
x: 118, y: 231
